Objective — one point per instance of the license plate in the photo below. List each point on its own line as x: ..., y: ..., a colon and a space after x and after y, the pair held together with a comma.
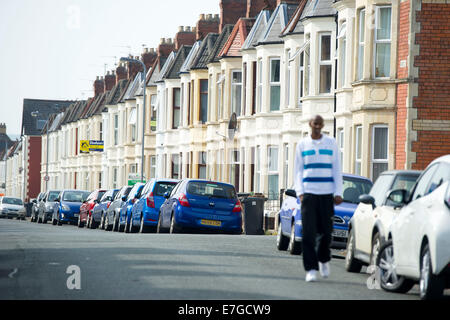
x: 211, y: 223
x: 76, y: 215
x: 340, y: 233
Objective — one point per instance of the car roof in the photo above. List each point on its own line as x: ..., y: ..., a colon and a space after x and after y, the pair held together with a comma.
x: 208, y: 181
x: 402, y: 172
x: 75, y: 190
x: 167, y: 180
x: 349, y: 175
x: 445, y: 159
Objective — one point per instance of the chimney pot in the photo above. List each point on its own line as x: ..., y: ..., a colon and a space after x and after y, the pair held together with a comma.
x: 180, y: 29
x: 187, y: 29
x: 202, y: 17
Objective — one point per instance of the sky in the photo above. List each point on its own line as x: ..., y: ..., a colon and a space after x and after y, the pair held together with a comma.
x: 55, y: 49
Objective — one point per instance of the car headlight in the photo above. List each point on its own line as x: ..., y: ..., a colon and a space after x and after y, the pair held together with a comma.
x: 65, y: 207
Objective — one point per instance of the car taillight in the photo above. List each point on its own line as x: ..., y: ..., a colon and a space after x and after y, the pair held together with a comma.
x: 133, y: 201
x: 150, y: 200
x: 237, y: 207
x: 183, y: 200
x: 109, y: 203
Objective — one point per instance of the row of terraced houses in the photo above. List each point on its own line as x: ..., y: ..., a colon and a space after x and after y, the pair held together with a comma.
x: 377, y: 71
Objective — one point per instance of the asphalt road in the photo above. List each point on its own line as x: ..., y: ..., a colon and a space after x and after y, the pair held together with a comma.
x: 35, y: 258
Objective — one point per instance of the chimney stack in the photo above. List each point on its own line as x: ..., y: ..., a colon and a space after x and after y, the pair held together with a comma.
x: 207, y: 24
x: 2, y: 128
x: 121, y: 73
x: 165, y: 48
x: 110, y: 81
x: 149, y: 57
x: 254, y: 7
x: 133, y: 68
x: 99, y: 86
x: 184, y: 37
x: 231, y: 11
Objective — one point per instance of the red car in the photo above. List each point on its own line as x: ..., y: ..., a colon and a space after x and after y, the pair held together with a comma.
x: 85, y: 216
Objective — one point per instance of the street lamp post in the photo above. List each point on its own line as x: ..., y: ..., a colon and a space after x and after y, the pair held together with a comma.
x: 143, y: 77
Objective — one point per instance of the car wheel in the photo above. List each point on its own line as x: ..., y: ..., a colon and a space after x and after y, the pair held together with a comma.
x: 108, y: 227
x: 143, y: 228
x: 174, y: 228
x: 431, y: 286
x: 351, y: 263
x: 282, y: 240
x: 92, y: 223
x: 389, y: 279
x: 159, y: 228
x: 376, y: 244
x: 131, y: 228
x: 295, y: 247
x: 80, y: 224
x: 38, y: 219
x: 59, y: 220
x: 102, y: 222
x: 54, y: 221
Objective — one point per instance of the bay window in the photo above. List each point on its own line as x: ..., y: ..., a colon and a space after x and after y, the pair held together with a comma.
x: 379, y: 150
x: 274, y: 84
x: 361, y: 35
x: 325, y: 64
x: 236, y: 91
x: 358, y: 153
x: 273, y: 173
x: 382, y: 45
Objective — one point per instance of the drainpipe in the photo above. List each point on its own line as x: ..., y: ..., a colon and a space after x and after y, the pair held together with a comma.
x: 335, y: 76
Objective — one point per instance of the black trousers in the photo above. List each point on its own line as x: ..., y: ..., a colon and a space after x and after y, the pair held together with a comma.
x: 317, y: 220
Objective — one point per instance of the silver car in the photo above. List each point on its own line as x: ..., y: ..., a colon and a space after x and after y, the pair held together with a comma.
x: 12, y: 208
x: 47, y: 205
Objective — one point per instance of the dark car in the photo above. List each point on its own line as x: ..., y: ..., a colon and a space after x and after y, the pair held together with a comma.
x: 99, y: 211
x: 289, y: 234
x: 86, y: 209
x: 47, y: 205
x: 125, y: 210
x: 113, y: 212
x: 35, y: 208
x: 68, y: 206
x: 145, y: 212
x: 201, y: 205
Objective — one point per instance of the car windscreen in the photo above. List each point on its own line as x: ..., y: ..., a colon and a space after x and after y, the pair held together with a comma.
x: 163, y: 187
x: 53, y: 195
x: 75, y: 196
x: 353, y: 188
x: 405, y: 182
x: 211, y: 189
x: 15, y: 201
x: 100, y: 195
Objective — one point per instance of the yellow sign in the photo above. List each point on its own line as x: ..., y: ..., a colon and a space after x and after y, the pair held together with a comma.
x: 84, y: 146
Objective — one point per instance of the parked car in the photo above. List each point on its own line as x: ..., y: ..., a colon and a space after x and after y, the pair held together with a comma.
x: 113, y: 212
x: 86, y: 209
x: 373, y: 216
x: 11, y: 207
x: 145, y: 212
x: 68, y: 206
x: 418, y: 249
x: 201, y: 205
x: 125, y: 210
x: 35, y: 208
x: 99, y: 210
x: 289, y: 236
x: 47, y: 205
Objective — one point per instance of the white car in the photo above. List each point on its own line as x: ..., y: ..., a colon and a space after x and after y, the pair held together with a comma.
x: 418, y: 249
x: 369, y: 225
x: 12, y: 208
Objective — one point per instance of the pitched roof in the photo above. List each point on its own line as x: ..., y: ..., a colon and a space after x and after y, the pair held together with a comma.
x: 277, y: 23
x: 32, y: 126
x: 237, y: 38
x: 258, y: 28
x: 188, y: 62
x: 173, y: 72
x: 165, y: 67
x: 133, y: 87
x: 294, y: 27
x: 220, y: 42
x: 201, y: 60
x: 318, y: 8
x: 116, y: 92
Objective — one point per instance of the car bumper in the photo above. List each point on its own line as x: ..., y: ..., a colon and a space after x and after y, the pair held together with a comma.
x: 231, y: 223
x: 12, y: 214
x: 68, y: 217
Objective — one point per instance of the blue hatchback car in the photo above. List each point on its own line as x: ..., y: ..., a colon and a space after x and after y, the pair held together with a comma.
x: 201, y: 204
x: 67, y: 206
x: 145, y: 212
x: 127, y: 205
x: 289, y: 234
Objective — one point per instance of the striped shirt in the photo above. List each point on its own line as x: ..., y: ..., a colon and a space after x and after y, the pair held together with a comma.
x: 317, y: 167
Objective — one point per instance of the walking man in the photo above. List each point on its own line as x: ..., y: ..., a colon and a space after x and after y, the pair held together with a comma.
x: 318, y: 184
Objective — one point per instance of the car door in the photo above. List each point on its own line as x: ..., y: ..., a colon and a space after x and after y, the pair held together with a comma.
x: 410, y: 220
x: 366, y: 213
x: 288, y: 209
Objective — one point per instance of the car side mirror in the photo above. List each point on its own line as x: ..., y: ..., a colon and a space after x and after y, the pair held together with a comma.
x: 58, y: 199
x: 167, y: 195
x: 397, y: 197
x: 367, y: 199
x: 291, y: 193
x: 34, y: 201
x: 124, y: 198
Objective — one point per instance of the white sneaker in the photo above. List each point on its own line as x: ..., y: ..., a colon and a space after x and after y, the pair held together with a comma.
x: 324, y: 269
x: 311, y: 276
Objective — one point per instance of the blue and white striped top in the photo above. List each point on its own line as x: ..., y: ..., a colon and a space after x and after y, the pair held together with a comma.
x: 317, y: 169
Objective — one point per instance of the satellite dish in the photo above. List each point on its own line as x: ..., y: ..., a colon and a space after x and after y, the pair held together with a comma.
x: 232, y: 126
